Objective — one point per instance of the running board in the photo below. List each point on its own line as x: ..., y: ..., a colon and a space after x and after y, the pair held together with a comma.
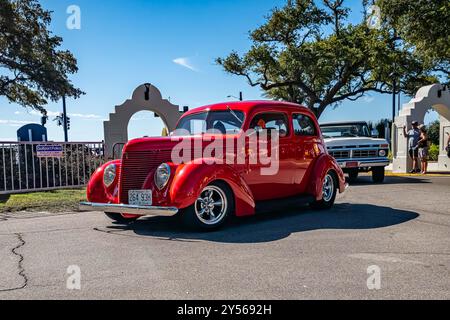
x: 283, y: 203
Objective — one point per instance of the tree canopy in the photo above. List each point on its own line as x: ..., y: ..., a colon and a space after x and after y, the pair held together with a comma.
x: 423, y: 25
x: 310, y: 54
x: 32, y: 67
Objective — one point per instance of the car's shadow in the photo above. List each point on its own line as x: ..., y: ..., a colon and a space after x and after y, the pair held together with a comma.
x: 273, y: 226
x: 367, y: 180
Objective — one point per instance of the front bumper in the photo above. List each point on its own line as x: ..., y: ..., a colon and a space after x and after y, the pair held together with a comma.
x: 129, y: 209
x: 363, y: 163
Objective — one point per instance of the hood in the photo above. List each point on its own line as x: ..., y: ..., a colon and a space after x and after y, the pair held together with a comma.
x: 146, y: 144
x: 168, y: 143
x: 354, y: 141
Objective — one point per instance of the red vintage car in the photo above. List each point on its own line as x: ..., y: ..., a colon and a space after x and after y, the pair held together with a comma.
x: 225, y: 159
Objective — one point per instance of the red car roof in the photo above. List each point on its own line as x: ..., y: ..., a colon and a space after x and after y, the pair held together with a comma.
x: 247, y: 106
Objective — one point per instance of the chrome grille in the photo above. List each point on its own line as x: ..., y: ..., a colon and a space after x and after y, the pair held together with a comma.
x: 340, y: 154
x: 364, y: 153
x: 136, y: 165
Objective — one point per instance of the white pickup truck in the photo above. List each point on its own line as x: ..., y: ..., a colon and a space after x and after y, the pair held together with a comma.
x: 356, y: 149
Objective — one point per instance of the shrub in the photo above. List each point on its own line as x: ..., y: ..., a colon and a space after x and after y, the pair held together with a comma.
x: 433, y: 153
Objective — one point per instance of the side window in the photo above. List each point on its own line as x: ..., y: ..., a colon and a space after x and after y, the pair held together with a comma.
x: 303, y: 125
x: 274, y: 121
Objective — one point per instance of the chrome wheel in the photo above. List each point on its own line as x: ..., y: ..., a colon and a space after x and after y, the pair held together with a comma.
x: 211, y: 206
x: 328, y: 188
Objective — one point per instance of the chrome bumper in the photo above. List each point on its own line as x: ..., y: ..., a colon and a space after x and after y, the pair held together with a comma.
x: 364, y: 163
x: 129, y: 209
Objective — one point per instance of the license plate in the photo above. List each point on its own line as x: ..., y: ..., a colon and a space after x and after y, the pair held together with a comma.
x: 140, y: 197
x: 352, y: 164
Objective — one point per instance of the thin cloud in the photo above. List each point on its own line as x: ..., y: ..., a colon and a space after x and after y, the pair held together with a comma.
x: 85, y: 116
x: 49, y: 113
x: 185, y: 62
x: 13, y: 122
x: 74, y: 115
x: 368, y: 99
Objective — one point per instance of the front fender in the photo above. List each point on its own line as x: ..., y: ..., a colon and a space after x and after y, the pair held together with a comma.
x: 96, y: 190
x: 322, y: 165
x: 191, y: 178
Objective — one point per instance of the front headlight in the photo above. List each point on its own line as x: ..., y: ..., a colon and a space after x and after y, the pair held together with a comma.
x: 382, y: 153
x: 162, y: 175
x: 109, y: 175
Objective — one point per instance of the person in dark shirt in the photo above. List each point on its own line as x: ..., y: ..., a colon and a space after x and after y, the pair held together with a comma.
x: 423, y: 149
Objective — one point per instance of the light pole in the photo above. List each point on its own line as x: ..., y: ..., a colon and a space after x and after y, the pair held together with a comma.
x: 394, y: 88
x: 66, y: 138
x: 240, y: 96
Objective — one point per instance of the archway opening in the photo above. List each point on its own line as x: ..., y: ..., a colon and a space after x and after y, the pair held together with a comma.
x: 432, y: 124
x: 430, y: 117
x: 145, y: 124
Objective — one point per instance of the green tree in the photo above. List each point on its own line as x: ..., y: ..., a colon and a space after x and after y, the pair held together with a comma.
x: 380, y: 126
x: 311, y: 55
x: 32, y: 68
x: 424, y: 26
x: 433, y: 130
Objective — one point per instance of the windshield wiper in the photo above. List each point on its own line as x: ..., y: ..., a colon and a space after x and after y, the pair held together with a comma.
x: 234, y: 115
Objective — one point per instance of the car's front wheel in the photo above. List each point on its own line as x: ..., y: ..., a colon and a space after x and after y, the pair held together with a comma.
x: 211, y: 209
x: 329, y: 191
x: 117, y: 217
x: 378, y: 174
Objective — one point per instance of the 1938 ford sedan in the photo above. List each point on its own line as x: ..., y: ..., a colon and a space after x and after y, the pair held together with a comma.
x: 225, y: 159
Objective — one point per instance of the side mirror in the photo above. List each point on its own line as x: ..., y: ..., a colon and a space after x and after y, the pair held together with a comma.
x: 375, y: 133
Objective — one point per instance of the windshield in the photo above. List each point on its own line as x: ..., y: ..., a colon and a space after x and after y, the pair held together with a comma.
x: 224, y: 122
x: 348, y: 130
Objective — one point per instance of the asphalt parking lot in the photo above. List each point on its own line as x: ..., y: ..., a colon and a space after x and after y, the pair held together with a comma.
x: 402, y: 227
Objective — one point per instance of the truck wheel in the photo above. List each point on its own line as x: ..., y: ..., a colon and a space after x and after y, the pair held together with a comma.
x: 211, y: 209
x: 378, y: 174
x: 353, y: 175
x: 119, y: 218
x: 329, y: 191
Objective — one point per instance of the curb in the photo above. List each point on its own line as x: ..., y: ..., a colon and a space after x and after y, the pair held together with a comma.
x: 431, y: 174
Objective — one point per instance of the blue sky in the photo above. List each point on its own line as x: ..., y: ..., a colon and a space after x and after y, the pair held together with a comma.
x: 171, y: 44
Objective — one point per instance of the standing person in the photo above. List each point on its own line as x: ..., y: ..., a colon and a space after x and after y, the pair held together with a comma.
x: 423, y: 149
x: 413, y: 136
x: 448, y: 145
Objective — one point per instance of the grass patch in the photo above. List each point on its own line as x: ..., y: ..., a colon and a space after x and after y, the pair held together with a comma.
x: 49, y: 201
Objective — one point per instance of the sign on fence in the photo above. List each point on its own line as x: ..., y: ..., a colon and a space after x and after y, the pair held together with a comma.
x: 49, y: 151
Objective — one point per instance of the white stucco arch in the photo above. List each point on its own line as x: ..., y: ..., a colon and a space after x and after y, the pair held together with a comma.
x: 435, y: 97
x: 146, y: 97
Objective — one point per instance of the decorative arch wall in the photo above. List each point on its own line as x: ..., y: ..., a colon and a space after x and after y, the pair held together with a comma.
x: 146, y: 97
x: 435, y: 97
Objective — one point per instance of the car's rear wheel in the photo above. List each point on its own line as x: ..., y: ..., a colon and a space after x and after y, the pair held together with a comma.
x: 117, y: 217
x: 329, y: 191
x: 353, y: 175
x: 378, y: 174
x: 211, y: 209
